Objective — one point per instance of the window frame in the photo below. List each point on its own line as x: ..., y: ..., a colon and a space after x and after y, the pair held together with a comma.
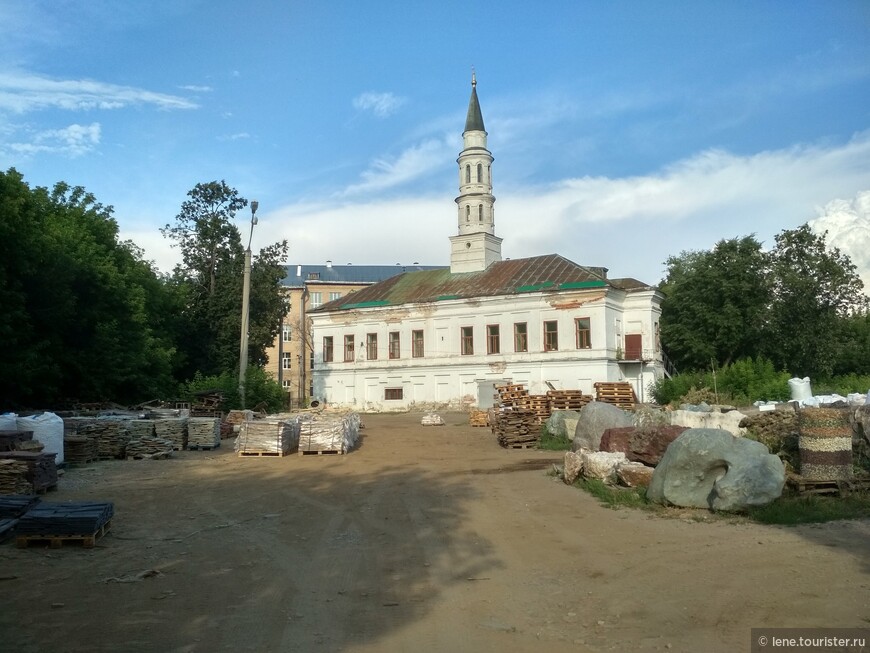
x: 394, y: 345
x: 286, y: 333
x: 466, y: 340
x: 371, y: 346
x: 551, y: 336
x: 316, y: 299
x: 328, y: 353
x: 398, y: 394
x: 583, y: 336
x: 349, y: 349
x: 417, y: 343
x: 525, y: 337
x: 493, y: 339
x: 286, y: 360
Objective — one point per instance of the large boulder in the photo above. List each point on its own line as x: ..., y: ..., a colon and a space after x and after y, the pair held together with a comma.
x: 601, y: 465
x: 710, y: 468
x: 562, y: 423
x: 595, y: 418
x: 644, y: 444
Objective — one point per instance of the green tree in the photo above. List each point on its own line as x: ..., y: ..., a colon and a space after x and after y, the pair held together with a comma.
x: 815, y: 291
x: 715, y: 304
x: 79, y: 305
x: 209, y: 282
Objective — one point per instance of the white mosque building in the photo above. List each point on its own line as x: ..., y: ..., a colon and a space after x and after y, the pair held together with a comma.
x: 442, y: 338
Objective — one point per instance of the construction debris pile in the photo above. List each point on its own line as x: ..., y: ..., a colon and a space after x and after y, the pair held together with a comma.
x: 432, y: 419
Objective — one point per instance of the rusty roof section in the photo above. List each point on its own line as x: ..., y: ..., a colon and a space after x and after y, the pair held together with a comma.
x: 548, y: 273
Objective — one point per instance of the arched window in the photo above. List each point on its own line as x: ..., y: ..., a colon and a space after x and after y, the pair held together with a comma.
x: 467, y: 213
x: 479, y: 172
x: 480, y: 212
x: 467, y: 174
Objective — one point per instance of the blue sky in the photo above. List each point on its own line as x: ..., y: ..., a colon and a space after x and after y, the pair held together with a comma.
x: 623, y: 132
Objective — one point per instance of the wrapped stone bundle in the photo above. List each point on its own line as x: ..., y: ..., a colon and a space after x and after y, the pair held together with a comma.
x: 825, y: 444
x: 267, y: 436
x: 328, y: 433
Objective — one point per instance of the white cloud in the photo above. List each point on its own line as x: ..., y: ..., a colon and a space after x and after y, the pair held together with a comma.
x: 630, y: 225
x: 197, y: 89
x: 22, y: 92
x: 235, y: 137
x: 410, y: 164
x: 73, y: 141
x: 380, y: 104
x: 848, y: 225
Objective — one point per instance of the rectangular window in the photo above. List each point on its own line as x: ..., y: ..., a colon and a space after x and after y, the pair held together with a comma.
x: 285, y: 333
x: 285, y: 361
x: 467, y: 344
x: 372, y: 346
x: 316, y: 299
x: 584, y: 333
x: 392, y: 394
x: 521, y: 337
x: 417, y: 344
x: 286, y: 385
x: 348, y: 349
x: 327, y: 349
x: 492, y: 343
x: 334, y: 295
x: 394, y: 344
x: 551, y: 336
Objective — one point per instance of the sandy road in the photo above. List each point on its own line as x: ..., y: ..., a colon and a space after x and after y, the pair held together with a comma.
x: 424, y: 539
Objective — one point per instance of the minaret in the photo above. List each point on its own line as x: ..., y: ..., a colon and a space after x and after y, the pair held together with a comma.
x: 476, y: 245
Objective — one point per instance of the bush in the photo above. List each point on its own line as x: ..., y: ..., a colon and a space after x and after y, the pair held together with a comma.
x: 743, y: 382
x: 259, y: 388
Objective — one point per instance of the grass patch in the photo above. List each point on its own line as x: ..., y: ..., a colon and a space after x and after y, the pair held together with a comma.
x: 616, y: 497
x: 551, y: 442
x: 812, y: 509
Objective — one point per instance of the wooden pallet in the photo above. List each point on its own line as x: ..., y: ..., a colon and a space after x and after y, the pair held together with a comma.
x: 202, y: 447
x: 840, y: 488
x: 619, y: 394
x: 320, y: 452
x: 275, y: 454
x: 523, y: 445
x: 57, y: 541
x: 159, y: 455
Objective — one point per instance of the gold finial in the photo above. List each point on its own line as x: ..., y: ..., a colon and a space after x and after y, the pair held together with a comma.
x: 473, y: 78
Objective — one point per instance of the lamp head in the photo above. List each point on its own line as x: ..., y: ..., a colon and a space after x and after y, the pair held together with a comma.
x: 254, y: 205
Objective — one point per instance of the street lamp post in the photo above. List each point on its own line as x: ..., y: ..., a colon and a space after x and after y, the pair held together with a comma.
x: 246, y: 298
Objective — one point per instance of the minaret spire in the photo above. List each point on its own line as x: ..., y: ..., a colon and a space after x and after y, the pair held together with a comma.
x: 476, y: 246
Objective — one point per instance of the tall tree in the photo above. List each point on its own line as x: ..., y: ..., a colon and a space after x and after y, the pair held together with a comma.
x: 715, y: 303
x: 79, y: 305
x: 210, y: 282
x: 815, y: 289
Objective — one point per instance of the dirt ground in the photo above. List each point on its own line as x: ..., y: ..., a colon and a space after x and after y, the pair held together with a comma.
x: 424, y: 539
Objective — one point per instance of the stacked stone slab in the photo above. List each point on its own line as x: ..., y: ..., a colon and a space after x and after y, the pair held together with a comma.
x: 149, y: 447
x: 111, y: 434
x: 203, y: 432
x: 267, y: 436
x: 825, y: 444
x: 173, y: 429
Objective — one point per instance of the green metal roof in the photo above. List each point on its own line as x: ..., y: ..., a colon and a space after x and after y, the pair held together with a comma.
x: 550, y: 273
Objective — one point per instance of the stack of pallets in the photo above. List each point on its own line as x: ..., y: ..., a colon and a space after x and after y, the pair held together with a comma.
x: 511, y: 395
x: 516, y: 428
x: 538, y: 405
x: 478, y: 418
x: 567, y: 399
x: 618, y: 393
